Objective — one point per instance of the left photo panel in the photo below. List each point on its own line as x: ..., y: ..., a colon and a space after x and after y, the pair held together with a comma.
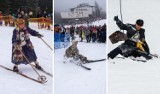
x: 26, y: 47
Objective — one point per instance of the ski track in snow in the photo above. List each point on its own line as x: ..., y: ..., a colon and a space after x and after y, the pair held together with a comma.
x: 12, y: 83
x: 127, y: 76
x: 72, y: 79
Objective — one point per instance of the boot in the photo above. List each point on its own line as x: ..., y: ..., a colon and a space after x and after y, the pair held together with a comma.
x: 147, y: 56
x: 38, y: 66
x: 15, y: 68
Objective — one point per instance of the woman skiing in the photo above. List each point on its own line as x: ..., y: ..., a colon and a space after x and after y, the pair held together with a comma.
x: 21, y: 42
x: 73, y: 52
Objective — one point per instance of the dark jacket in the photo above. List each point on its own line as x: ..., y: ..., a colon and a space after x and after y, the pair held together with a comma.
x: 131, y: 31
x: 128, y: 48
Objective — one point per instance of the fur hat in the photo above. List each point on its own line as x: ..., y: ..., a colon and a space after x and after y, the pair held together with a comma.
x: 74, y: 42
x: 20, y: 21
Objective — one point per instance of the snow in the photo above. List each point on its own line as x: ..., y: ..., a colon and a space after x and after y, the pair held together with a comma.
x: 72, y: 79
x: 11, y: 83
x: 99, y: 22
x: 95, y: 23
x: 132, y: 77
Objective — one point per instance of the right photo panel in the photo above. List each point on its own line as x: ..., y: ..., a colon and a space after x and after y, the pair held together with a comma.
x: 133, y: 54
x: 80, y: 47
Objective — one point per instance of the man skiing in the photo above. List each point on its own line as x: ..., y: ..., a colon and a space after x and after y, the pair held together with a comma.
x: 135, y: 44
x: 73, y: 52
x: 21, y: 42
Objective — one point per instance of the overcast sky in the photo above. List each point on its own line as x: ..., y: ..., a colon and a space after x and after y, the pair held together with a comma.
x: 65, y: 5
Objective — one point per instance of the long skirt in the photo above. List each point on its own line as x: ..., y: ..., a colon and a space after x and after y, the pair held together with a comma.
x: 28, y: 52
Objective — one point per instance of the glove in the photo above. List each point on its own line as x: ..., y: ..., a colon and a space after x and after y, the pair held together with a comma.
x: 39, y: 35
x: 116, y: 18
x: 139, y: 46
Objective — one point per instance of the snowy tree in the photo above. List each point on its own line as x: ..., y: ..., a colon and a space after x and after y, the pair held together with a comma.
x: 97, y: 10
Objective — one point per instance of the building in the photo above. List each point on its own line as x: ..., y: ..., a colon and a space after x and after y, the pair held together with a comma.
x: 81, y: 12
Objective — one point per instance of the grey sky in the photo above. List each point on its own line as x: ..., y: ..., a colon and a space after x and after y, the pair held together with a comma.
x: 65, y: 5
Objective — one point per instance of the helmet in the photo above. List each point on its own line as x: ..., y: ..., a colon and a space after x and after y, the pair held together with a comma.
x: 140, y: 22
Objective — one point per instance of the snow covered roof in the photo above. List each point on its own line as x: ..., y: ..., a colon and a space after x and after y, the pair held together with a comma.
x: 82, y: 5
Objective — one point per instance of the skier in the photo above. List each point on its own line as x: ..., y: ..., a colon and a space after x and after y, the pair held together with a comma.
x: 135, y: 45
x: 73, y: 52
x: 21, y: 41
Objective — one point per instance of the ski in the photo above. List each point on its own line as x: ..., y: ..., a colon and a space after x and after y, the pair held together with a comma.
x: 24, y: 75
x: 85, y: 67
x: 154, y: 55
x: 42, y: 70
x: 139, y: 60
x: 134, y: 59
x: 92, y: 61
x: 49, y: 74
x: 78, y: 64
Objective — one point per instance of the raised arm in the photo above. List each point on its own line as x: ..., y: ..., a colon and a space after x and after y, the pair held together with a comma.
x: 120, y: 23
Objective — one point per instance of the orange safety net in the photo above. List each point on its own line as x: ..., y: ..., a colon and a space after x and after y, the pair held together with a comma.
x: 38, y: 20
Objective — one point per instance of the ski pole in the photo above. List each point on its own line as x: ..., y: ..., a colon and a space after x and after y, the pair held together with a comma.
x: 42, y: 78
x: 46, y: 44
x: 121, y: 15
x: 121, y: 10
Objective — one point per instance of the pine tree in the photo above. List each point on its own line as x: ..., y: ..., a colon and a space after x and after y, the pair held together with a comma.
x: 97, y: 10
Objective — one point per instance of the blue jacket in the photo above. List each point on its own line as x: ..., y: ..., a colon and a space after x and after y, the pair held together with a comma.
x: 27, y: 51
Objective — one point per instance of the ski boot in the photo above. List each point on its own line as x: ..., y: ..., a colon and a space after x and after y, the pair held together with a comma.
x: 37, y: 65
x: 15, y: 68
x: 147, y: 56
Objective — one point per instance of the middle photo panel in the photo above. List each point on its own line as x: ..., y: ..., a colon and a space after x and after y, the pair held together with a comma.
x: 80, y: 47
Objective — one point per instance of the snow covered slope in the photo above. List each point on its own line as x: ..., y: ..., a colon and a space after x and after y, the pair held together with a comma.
x: 95, y: 23
x: 127, y: 76
x: 11, y: 83
x: 72, y: 79
x: 100, y: 22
